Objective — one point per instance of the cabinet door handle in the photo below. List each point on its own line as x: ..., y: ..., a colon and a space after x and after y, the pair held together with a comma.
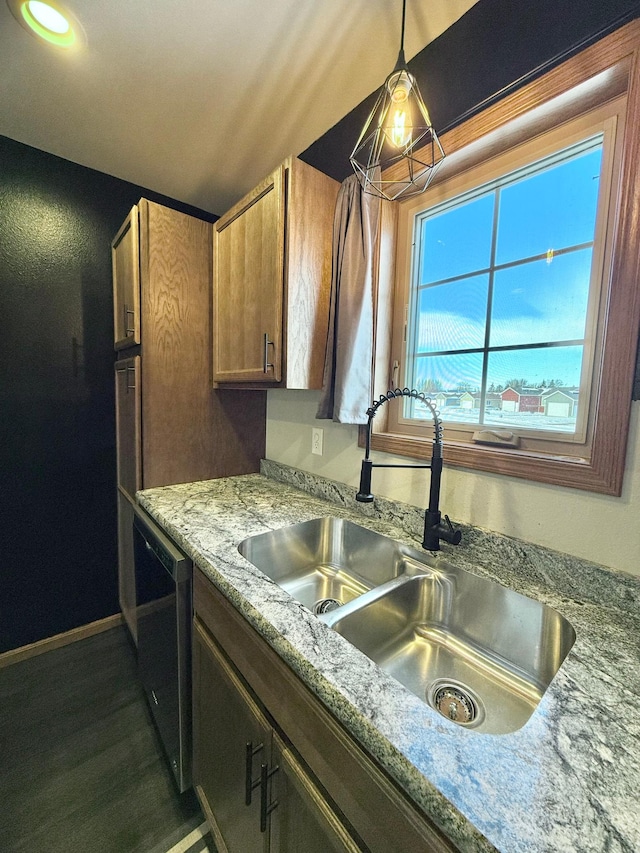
x: 266, y: 364
x: 266, y: 807
x: 127, y: 311
x: 249, y: 784
x: 131, y: 370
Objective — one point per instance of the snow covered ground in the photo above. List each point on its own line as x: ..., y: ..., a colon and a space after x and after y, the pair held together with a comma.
x: 502, y: 420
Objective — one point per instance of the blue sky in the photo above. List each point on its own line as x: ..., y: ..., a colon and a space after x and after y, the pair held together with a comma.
x: 533, y: 302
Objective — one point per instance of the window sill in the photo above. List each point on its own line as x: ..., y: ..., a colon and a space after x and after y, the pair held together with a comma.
x: 594, y: 475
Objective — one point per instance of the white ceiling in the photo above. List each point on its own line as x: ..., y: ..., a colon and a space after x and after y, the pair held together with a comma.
x: 200, y: 99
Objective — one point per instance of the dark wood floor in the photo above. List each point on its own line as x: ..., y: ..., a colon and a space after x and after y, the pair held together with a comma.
x: 81, y: 768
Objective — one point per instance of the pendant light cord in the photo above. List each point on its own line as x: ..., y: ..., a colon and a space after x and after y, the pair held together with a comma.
x: 404, y: 9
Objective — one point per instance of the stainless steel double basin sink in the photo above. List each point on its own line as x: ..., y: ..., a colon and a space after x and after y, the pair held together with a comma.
x: 478, y: 653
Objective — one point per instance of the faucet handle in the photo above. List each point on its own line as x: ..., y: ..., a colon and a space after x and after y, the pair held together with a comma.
x: 452, y: 535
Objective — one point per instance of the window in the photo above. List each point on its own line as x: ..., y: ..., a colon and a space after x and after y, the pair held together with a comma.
x: 513, y: 299
x: 503, y: 295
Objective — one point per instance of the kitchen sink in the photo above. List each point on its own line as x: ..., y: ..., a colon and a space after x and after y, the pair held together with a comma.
x: 480, y: 654
x: 326, y: 562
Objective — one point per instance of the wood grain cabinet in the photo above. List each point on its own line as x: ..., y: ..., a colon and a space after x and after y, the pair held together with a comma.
x: 257, y: 795
x: 266, y: 750
x: 272, y: 279
x: 171, y: 425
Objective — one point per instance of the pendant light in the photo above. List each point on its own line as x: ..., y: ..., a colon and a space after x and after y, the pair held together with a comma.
x: 398, y: 151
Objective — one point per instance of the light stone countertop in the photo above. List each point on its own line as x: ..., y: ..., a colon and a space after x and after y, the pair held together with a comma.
x: 567, y: 781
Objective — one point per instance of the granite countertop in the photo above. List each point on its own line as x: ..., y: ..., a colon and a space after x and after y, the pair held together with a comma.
x: 567, y: 781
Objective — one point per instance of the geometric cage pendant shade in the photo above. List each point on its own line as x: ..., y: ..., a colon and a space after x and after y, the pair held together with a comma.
x: 398, y: 151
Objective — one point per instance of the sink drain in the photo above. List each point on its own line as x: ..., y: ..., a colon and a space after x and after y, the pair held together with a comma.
x: 324, y: 605
x: 456, y: 702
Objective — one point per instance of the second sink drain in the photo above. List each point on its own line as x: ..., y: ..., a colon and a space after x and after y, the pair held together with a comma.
x: 456, y: 702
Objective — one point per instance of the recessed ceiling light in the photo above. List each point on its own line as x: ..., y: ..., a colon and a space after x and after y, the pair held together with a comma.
x: 48, y: 20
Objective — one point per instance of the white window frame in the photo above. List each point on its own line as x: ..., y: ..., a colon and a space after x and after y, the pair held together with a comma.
x: 605, y: 120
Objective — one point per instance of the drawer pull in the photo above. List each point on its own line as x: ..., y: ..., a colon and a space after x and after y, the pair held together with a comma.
x: 266, y: 364
x: 128, y: 311
x: 249, y: 784
x: 131, y: 375
x: 265, y: 806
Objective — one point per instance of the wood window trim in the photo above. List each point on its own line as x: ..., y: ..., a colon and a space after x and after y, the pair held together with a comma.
x: 606, y: 70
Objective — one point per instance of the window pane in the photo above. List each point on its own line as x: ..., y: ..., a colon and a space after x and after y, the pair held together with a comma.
x: 457, y: 241
x: 551, y: 210
x: 538, y: 388
x: 541, y: 301
x: 452, y: 316
x: 451, y: 381
x: 527, y: 277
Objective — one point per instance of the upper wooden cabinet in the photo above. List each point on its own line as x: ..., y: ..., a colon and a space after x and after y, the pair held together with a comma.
x: 272, y: 280
x: 126, y: 283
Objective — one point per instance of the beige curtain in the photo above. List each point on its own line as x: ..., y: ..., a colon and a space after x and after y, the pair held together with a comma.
x: 347, y: 389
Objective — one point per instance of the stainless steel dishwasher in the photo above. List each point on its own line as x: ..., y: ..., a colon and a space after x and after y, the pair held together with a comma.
x: 164, y: 615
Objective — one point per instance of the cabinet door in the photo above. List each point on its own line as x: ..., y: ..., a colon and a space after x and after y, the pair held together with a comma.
x: 125, y: 267
x: 248, y: 259
x: 128, y: 436
x: 232, y: 740
x: 302, y: 821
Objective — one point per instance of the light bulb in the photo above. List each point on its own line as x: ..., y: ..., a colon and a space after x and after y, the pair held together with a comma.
x: 399, y: 85
x: 400, y: 133
x: 48, y: 17
x: 49, y: 21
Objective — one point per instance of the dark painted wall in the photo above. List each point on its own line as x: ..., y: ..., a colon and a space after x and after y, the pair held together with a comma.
x: 497, y: 46
x: 57, y: 433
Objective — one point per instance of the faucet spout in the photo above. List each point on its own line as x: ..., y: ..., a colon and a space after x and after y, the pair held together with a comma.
x: 434, y: 529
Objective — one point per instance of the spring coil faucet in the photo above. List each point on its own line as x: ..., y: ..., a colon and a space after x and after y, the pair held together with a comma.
x: 434, y: 529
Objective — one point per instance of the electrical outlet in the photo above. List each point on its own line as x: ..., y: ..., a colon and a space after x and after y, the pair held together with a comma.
x: 316, y: 440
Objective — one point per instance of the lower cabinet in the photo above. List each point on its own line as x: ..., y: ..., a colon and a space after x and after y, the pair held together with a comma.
x: 273, y: 768
x: 257, y: 795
